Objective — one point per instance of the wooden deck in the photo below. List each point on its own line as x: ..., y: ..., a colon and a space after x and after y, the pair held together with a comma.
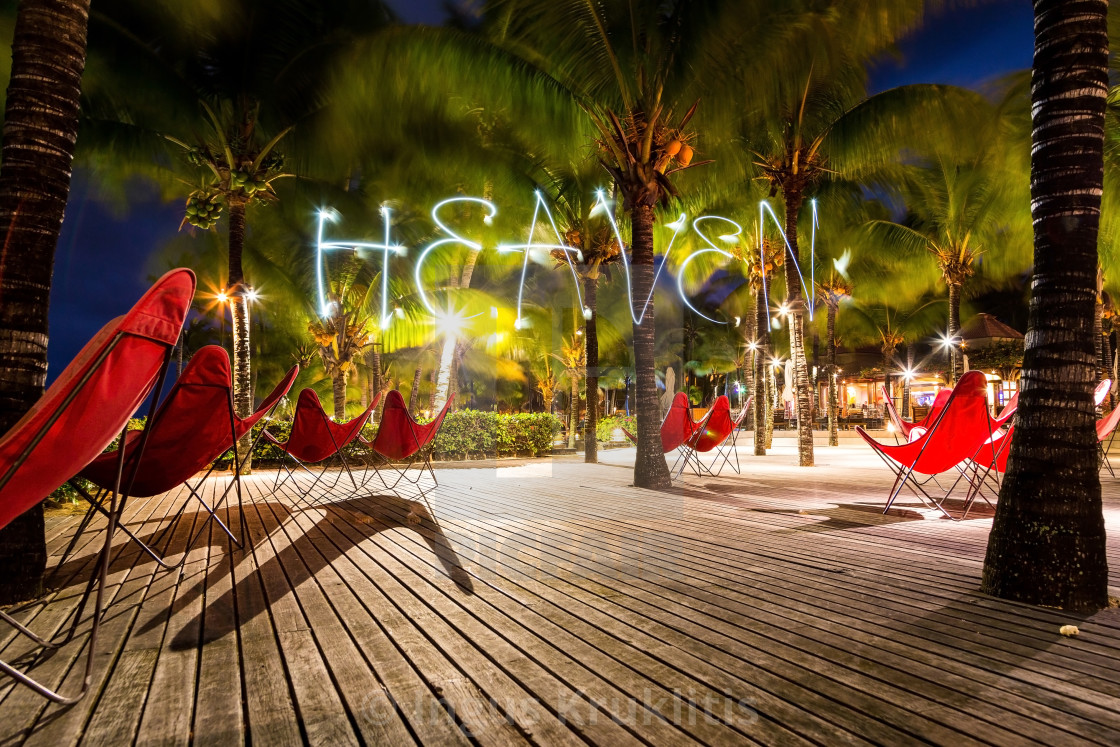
x: 551, y: 603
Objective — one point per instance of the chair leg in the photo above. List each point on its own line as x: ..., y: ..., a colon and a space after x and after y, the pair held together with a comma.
x: 99, y: 579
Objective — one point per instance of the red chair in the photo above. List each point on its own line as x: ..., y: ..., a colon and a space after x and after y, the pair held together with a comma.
x: 399, y: 438
x: 956, y: 435
x: 717, y: 428
x: 1106, y: 428
x: 676, y: 429
x: 1101, y: 392
x: 76, y: 418
x: 993, y: 455
x: 905, y: 427
x: 314, y: 437
x: 192, y: 428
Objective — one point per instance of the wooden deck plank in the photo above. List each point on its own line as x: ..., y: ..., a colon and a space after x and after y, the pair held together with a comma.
x: 554, y: 603
x: 125, y: 587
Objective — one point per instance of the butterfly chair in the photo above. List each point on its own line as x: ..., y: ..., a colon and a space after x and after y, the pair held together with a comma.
x: 194, y: 425
x: 314, y: 437
x: 73, y: 422
x: 719, y: 434
x: 905, y: 427
x: 991, y: 459
x: 676, y: 429
x: 399, y: 438
x: 1106, y: 428
x: 957, y: 434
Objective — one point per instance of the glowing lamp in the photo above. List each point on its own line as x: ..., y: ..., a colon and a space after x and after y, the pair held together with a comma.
x: 222, y: 297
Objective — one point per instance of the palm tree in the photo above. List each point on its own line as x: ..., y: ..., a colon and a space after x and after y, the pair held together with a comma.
x: 957, y: 210
x: 1047, y: 544
x: 227, y: 90
x: 572, y: 357
x: 833, y: 289
x: 343, y: 334
x: 598, y: 250
x: 40, y: 129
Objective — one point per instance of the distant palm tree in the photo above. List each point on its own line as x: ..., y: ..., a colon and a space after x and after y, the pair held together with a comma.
x: 956, y: 212
x: 40, y: 129
x: 831, y: 290
x: 1047, y: 544
x: 228, y: 89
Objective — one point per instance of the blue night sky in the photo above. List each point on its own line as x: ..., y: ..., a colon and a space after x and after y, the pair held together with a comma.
x: 102, y: 264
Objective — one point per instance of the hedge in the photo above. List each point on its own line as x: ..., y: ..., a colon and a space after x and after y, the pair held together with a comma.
x: 465, y: 434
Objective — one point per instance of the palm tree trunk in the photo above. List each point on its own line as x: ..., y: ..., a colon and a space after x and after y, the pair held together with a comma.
x: 956, y: 364
x: 573, y: 410
x: 1047, y: 544
x: 414, y: 395
x: 432, y: 394
x: 1106, y: 366
x: 40, y: 129
x: 239, y: 313
x: 591, y: 351
x: 906, y: 380
x: 443, y: 378
x: 761, y: 376
x: 772, y: 393
x: 650, y: 469
x: 833, y: 384
x: 338, y: 385
x: 797, y: 335
x: 376, y: 384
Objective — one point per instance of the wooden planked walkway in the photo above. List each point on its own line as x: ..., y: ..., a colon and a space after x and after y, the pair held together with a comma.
x: 548, y: 602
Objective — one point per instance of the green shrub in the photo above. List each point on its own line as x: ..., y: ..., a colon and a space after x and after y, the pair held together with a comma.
x: 605, y: 426
x: 476, y: 433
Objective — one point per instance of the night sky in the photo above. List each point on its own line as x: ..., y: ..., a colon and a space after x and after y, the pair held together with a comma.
x: 102, y: 264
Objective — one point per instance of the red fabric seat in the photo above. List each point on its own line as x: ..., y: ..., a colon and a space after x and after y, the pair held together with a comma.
x: 676, y: 429
x: 956, y: 435
x: 91, y: 401
x: 191, y: 428
x: 78, y: 416
x: 712, y: 434
x: 400, y: 438
x: 314, y: 437
x: 194, y: 425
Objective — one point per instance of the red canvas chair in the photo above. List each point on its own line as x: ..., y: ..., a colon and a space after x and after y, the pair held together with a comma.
x: 76, y: 418
x: 992, y: 460
x: 1008, y: 410
x: 1101, y: 392
x: 192, y: 428
x: 401, y: 438
x: 719, y: 433
x: 961, y: 428
x: 314, y: 437
x: 1106, y: 429
x: 676, y: 429
x: 904, y: 427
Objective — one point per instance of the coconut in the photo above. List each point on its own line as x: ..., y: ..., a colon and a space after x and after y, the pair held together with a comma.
x: 673, y: 147
x: 685, y: 156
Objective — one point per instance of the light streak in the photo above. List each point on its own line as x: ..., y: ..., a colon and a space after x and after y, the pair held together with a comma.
x: 386, y: 247
x: 453, y: 238
x: 528, y: 247
x: 676, y: 225
x: 727, y: 237
x: 763, y: 210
